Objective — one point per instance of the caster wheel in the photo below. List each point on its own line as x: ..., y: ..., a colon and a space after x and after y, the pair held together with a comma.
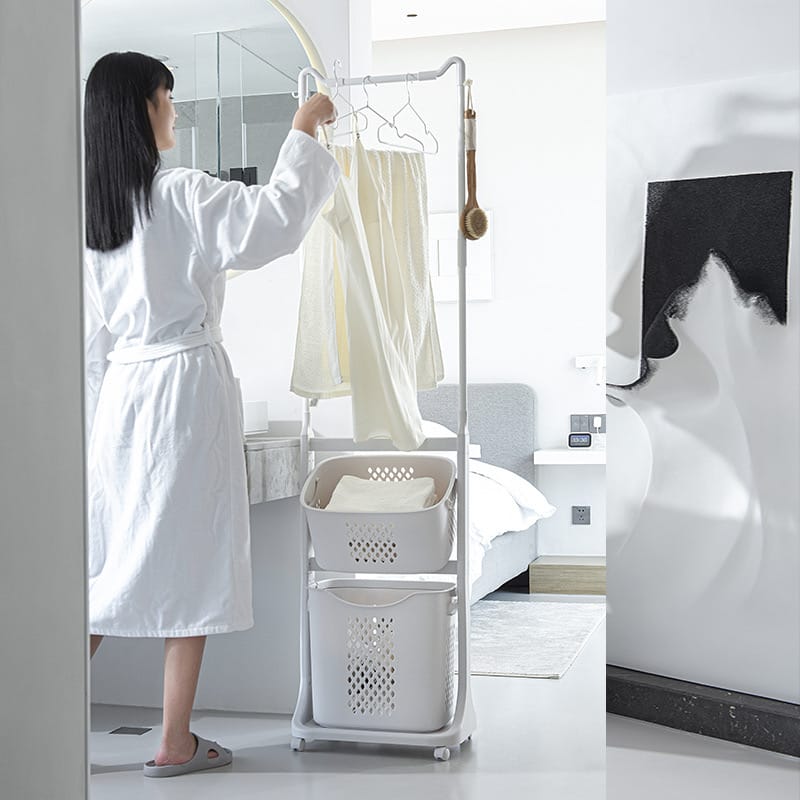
x: 469, y: 738
x: 441, y: 754
x: 298, y: 744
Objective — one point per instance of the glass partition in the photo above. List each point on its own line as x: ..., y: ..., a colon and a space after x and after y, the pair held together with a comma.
x: 244, y: 86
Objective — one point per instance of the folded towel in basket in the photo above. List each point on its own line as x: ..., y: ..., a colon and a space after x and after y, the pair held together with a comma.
x: 360, y: 494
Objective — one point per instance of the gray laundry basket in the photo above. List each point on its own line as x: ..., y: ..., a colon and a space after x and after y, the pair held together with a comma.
x: 382, y: 654
x: 406, y: 541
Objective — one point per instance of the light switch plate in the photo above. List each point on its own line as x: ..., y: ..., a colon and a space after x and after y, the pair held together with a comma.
x: 579, y: 423
x: 582, y: 423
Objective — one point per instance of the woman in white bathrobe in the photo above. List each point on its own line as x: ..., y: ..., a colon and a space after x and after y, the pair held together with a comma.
x: 169, y: 538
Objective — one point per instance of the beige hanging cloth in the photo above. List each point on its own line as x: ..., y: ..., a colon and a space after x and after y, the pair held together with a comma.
x: 367, y: 325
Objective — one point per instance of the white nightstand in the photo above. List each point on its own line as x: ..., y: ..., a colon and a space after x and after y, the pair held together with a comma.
x: 569, y: 456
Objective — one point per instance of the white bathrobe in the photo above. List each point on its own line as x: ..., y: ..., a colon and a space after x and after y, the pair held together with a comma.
x: 168, y: 512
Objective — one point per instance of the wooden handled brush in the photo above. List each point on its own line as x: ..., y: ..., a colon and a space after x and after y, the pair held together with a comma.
x: 473, y: 222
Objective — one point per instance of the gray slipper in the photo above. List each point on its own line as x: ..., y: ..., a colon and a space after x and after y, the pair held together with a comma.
x: 199, y: 761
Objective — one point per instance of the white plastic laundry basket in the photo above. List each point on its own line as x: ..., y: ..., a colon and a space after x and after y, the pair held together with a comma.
x: 406, y: 541
x: 382, y: 654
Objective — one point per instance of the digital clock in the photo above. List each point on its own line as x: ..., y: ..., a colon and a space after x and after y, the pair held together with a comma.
x: 580, y: 440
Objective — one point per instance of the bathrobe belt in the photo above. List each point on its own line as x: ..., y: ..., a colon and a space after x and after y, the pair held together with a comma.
x: 147, y: 352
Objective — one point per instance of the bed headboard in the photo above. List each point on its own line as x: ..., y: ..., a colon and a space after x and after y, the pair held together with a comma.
x: 500, y: 418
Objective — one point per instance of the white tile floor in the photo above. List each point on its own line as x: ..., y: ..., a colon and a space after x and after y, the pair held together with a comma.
x: 536, y: 738
x: 657, y: 763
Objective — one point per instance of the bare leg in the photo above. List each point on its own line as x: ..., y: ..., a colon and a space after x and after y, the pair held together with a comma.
x: 182, y: 659
x: 94, y: 643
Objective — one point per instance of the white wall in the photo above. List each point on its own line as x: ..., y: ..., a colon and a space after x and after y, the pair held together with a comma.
x: 700, y: 589
x: 43, y: 666
x: 653, y: 44
x: 541, y: 171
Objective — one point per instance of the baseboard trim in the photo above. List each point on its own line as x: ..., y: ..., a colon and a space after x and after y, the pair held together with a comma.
x: 736, y: 717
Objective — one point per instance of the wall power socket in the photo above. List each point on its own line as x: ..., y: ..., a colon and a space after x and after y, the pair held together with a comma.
x: 581, y: 515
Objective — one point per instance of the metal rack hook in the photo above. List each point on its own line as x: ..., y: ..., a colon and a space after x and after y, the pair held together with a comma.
x: 353, y: 111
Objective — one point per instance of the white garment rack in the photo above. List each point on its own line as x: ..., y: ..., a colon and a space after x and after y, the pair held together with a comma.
x: 460, y: 729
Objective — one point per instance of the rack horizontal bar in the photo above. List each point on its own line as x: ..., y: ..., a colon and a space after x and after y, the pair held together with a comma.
x: 424, y: 75
x: 450, y: 568
x: 454, y: 734
x: 444, y: 444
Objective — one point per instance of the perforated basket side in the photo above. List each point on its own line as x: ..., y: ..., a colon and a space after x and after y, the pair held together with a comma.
x: 401, y: 542
x: 396, y: 472
x: 371, y: 682
x: 323, y: 479
x: 371, y: 543
x: 450, y: 672
x: 387, y: 667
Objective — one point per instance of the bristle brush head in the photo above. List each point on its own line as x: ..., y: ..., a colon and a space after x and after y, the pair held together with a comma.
x: 476, y: 223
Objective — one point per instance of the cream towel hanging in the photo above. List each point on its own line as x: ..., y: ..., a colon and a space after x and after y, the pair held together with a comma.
x: 367, y: 324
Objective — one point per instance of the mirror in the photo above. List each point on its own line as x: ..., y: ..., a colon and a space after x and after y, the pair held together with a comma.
x: 235, y: 65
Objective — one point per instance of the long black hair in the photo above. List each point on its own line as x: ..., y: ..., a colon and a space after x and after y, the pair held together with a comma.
x: 121, y: 153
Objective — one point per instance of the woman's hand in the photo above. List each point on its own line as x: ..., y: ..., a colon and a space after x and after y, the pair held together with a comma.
x: 317, y: 110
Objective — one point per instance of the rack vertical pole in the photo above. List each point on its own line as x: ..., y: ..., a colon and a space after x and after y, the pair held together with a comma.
x: 463, y: 710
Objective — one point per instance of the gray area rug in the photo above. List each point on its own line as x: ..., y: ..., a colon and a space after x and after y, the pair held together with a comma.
x: 530, y: 639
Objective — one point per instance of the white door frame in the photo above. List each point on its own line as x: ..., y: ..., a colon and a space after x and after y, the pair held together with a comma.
x: 44, y: 704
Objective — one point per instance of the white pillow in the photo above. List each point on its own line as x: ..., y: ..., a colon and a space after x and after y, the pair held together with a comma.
x: 435, y: 430
x: 492, y: 511
x: 525, y: 494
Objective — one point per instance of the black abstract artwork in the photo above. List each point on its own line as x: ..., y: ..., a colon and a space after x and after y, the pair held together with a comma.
x: 742, y: 220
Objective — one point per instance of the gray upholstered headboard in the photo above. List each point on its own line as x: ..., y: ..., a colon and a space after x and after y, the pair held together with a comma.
x: 500, y: 418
